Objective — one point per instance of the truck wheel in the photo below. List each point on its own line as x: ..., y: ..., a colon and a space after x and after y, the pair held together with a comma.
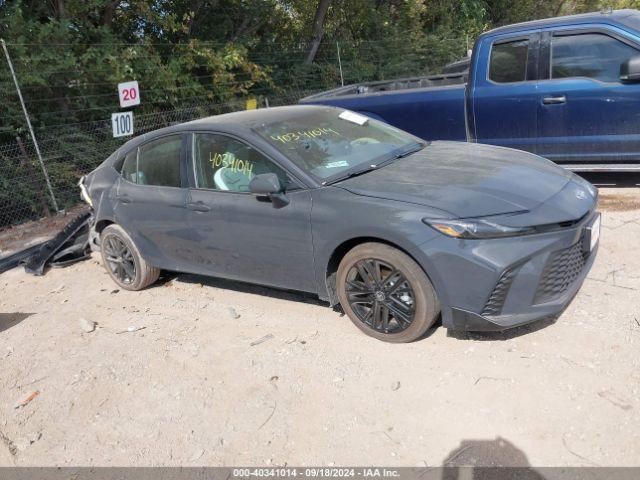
x: 123, y: 261
x: 386, y: 294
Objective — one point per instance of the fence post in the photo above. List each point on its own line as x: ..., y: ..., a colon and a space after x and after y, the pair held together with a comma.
x: 340, y: 64
x: 26, y: 162
x: 33, y: 135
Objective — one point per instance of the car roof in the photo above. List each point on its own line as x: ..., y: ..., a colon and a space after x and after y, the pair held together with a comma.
x: 245, y: 117
x: 627, y: 17
x: 234, y: 122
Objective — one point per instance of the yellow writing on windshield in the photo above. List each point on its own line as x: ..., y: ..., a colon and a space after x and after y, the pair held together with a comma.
x: 304, y: 135
x: 230, y: 161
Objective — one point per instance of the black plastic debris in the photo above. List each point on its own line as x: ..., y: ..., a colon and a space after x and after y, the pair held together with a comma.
x: 7, y: 263
x: 70, y: 245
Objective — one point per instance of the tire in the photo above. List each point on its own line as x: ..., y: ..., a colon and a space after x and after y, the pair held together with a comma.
x: 138, y: 274
x: 411, y: 295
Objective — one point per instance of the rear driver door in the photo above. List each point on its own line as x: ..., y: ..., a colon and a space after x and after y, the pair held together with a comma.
x: 150, y: 200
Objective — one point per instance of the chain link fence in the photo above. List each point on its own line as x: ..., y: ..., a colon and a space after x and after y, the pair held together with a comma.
x: 72, y: 149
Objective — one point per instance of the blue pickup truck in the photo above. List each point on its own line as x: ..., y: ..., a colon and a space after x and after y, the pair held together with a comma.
x: 566, y: 88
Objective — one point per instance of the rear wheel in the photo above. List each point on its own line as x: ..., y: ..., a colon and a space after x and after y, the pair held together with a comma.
x: 385, y: 293
x: 123, y: 261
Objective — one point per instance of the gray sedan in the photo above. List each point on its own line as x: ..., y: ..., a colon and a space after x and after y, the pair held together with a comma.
x: 396, y: 231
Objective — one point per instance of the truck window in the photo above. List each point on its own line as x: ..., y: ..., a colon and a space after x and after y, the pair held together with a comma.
x: 508, y: 61
x: 592, y: 55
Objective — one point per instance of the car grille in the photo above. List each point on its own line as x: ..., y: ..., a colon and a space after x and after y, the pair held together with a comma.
x: 562, y: 269
x: 499, y: 294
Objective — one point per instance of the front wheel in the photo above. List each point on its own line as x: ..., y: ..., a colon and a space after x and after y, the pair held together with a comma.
x: 123, y: 261
x: 386, y: 294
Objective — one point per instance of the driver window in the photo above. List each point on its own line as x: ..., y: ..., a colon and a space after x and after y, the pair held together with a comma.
x: 591, y: 55
x: 223, y: 163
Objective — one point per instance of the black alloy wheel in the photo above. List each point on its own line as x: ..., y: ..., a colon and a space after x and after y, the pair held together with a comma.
x: 380, y: 296
x: 385, y: 293
x: 119, y: 259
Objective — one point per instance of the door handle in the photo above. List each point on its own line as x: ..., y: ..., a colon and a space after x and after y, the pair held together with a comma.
x: 124, y: 198
x: 554, y: 100
x: 198, y: 207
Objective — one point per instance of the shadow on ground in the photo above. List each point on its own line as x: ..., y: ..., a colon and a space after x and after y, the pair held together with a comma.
x: 241, y: 287
x: 475, y: 459
x: 310, y: 299
x: 612, y: 179
x: 505, y: 334
x: 8, y: 320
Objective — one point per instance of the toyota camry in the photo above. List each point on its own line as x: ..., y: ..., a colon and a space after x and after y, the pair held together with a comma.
x: 396, y: 231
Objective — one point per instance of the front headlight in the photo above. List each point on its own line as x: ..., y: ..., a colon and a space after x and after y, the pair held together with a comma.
x: 476, y: 229
x: 592, y: 189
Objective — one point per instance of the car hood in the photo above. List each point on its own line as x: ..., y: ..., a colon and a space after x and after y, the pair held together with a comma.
x: 465, y: 179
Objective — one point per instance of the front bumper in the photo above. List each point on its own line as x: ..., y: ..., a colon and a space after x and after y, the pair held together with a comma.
x: 493, y: 285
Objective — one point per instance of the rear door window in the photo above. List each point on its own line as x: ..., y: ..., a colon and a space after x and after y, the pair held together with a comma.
x: 591, y: 55
x: 130, y: 166
x: 508, y: 62
x: 159, y: 162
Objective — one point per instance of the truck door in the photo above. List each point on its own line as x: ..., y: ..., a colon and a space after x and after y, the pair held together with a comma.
x: 585, y: 112
x: 504, y: 95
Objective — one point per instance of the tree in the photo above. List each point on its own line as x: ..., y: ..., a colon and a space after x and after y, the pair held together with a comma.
x: 318, y: 28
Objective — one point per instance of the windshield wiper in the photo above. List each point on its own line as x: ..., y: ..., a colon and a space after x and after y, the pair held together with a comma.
x: 415, y: 147
x: 351, y: 174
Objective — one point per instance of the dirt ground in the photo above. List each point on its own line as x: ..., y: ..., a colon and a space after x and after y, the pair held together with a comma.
x: 198, y: 371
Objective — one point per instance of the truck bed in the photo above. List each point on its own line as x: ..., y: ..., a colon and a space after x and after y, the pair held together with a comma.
x: 428, y: 107
x: 424, y: 82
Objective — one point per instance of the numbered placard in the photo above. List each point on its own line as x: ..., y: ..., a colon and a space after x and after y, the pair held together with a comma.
x: 129, y: 94
x: 122, y: 123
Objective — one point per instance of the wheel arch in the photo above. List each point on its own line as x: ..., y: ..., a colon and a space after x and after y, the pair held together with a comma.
x: 102, y: 224
x: 342, y: 249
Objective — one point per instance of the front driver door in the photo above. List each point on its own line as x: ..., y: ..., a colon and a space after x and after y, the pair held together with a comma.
x: 237, y: 235
x: 585, y: 113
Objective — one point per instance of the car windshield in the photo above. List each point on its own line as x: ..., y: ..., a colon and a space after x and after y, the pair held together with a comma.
x: 329, y: 143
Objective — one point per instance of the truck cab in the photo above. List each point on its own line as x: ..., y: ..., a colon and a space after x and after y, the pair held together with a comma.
x: 565, y: 88
x: 554, y: 87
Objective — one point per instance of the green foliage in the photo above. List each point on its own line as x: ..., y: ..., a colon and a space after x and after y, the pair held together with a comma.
x: 200, y: 57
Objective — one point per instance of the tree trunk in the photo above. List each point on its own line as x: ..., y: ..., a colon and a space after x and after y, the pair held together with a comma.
x: 59, y: 11
x: 318, y: 29
x: 109, y: 12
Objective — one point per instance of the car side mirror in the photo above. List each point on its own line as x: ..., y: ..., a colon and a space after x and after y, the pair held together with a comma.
x: 630, y: 70
x: 269, y: 184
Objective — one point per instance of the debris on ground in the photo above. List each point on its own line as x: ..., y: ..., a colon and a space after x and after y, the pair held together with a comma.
x: 197, y: 455
x: 70, y: 245
x: 13, y: 450
x: 233, y: 313
x: 29, y: 440
x: 131, y: 329
x: 267, y: 337
x: 395, y: 386
x: 616, y: 400
x: 27, y: 398
x: 87, y: 326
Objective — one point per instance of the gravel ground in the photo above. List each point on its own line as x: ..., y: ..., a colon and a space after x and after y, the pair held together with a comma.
x: 198, y: 371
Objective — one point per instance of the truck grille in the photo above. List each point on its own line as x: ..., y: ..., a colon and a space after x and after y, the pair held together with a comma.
x: 499, y: 294
x: 562, y: 269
